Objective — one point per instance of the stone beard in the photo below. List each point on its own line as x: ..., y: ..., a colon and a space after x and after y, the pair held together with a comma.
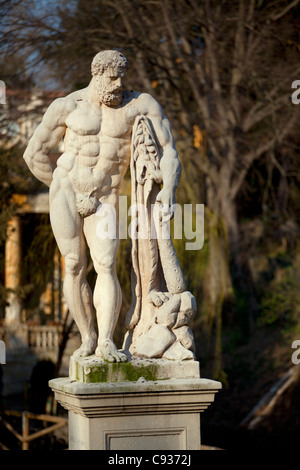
x: 111, y: 96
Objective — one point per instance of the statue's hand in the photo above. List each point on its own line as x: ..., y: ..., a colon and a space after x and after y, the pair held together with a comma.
x: 166, y: 200
x: 158, y: 298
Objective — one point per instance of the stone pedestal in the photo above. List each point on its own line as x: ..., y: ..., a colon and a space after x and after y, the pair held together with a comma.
x: 157, y: 414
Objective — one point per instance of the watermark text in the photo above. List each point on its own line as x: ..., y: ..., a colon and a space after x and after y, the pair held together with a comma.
x: 295, y: 95
x: 296, y: 354
x: 152, y: 222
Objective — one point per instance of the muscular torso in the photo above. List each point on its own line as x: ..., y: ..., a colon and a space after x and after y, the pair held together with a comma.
x: 97, y: 146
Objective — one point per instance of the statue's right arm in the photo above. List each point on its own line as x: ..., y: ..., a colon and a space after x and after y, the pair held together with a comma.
x: 45, y: 138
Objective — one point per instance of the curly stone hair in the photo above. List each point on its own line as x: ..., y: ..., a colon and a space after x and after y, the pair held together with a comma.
x: 108, y: 59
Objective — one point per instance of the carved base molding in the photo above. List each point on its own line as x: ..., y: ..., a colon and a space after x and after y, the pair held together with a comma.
x: 142, y: 415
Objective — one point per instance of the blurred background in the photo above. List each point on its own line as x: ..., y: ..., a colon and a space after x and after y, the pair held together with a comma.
x: 223, y: 72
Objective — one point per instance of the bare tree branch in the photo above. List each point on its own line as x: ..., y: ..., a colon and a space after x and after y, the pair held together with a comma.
x: 285, y: 10
x: 250, y: 157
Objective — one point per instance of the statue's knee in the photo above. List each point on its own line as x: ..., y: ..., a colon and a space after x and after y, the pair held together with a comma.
x: 105, y: 265
x: 73, y: 264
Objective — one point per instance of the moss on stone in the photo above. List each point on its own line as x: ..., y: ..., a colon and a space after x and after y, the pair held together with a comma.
x: 98, y: 374
x: 121, y: 371
x: 132, y: 372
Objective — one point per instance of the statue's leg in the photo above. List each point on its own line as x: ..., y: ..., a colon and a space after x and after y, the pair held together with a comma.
x: 67, y: 228
x: 107, y: 292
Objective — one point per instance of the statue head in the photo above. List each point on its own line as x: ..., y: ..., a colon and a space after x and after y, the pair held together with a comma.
x: 109, y: 68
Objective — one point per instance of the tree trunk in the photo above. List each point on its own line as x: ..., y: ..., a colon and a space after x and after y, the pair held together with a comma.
x: 242, y: 281
x: 217, y: 279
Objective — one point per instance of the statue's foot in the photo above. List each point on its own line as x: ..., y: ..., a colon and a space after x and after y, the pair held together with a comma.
x: 87, y: 347
x: 109, y: 352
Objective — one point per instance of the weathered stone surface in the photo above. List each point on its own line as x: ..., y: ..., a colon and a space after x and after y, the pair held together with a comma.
x: 105, y: 129
x: 185, y: 336
x: 167, y: 313
x: 178, y: 352
x: 154, y: 342
x: 95, y: 370
x: 187, y: 310
x: 172, y: 318
x: 142, y: 415
x: 158, y: 283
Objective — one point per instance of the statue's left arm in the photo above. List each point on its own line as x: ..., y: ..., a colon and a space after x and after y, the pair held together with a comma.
x: 170, y: 165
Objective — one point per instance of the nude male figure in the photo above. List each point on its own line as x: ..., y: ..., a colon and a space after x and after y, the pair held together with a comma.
x: 95, y: 124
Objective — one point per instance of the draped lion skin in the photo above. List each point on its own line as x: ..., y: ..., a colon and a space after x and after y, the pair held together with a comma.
x: 96, y: 125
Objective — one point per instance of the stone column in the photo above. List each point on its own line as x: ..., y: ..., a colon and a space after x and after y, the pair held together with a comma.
x: 13, y: 254
x: 134, y: 406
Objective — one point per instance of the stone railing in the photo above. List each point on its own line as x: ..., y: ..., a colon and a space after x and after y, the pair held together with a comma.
x: 44, y: 337
x: 38, y: 337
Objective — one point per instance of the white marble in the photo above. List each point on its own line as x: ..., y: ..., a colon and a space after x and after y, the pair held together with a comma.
x: 106, y: 129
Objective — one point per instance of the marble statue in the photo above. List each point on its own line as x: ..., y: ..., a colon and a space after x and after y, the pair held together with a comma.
x: 105, y: 129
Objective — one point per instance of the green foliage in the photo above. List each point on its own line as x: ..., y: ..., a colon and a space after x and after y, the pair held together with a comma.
x: 193, y: 264
x: 280, y: 303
